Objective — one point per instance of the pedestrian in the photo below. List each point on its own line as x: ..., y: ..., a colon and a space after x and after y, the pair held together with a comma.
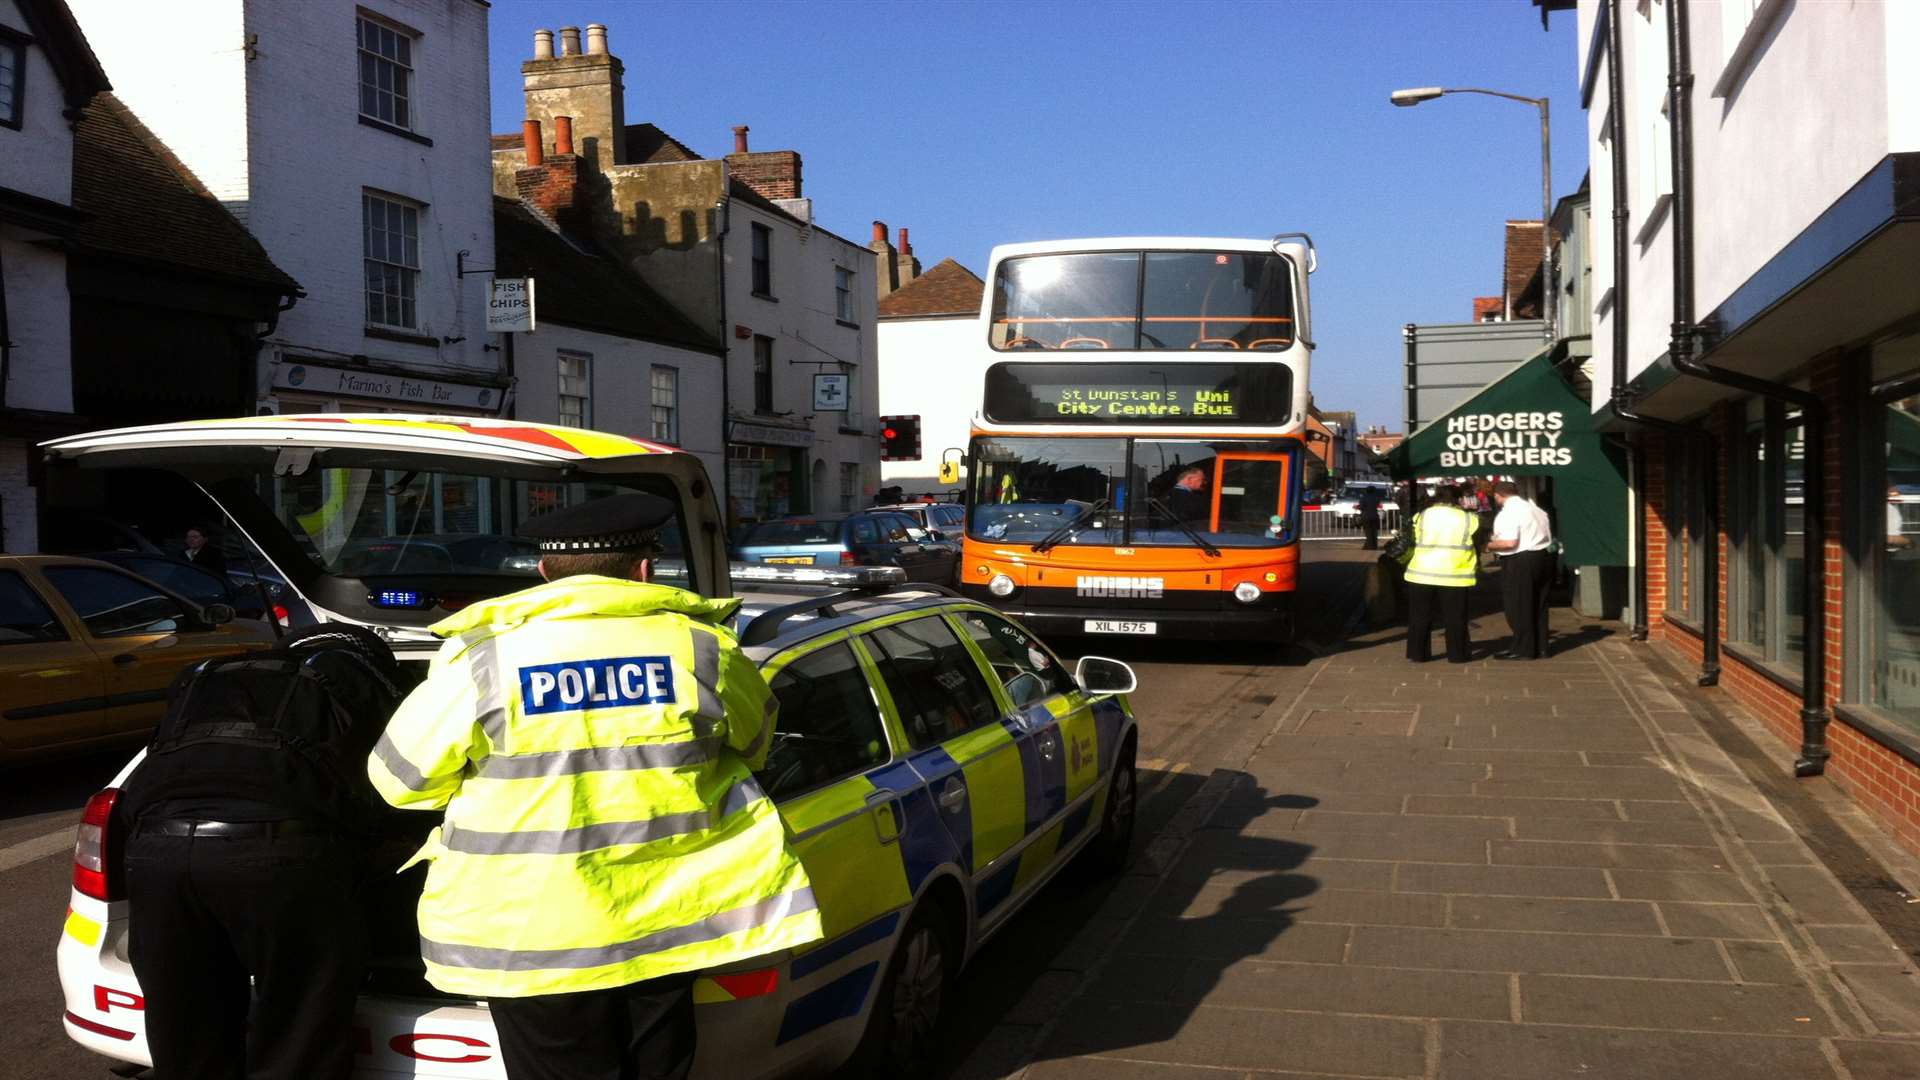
x: 203, y: 553
x: 1440, y: 575
x: 592, y: 740
x: 247, y: 819
x: 1370, y: 500
x: 1523, y: 538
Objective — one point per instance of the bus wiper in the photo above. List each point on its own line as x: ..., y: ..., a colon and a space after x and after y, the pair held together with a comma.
x: 1052, y: 539
x: 1198, y: 540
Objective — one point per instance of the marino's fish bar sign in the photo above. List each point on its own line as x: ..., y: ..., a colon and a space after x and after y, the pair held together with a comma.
x: 587, y: 684
x: 1508, y: 438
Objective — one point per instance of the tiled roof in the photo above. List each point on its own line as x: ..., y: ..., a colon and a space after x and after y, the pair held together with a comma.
x: 947, y: 289
x: 1488, y: 308
x: 585, y: 288
x: 147, y: 206
x: 648, y: 145
x: 1521, y: 263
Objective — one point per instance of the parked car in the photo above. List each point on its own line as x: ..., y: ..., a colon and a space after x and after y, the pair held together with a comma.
x: 87, y: 651
x: 1346, y: 505
x: 935, y: 762
x: 480, y: 553
x: 866, y: 538
x: 235, y: 588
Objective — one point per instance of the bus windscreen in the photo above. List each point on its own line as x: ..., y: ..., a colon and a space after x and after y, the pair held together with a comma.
x: 1186, y: 393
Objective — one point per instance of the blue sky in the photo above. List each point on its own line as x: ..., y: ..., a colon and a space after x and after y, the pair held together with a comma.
x: 982, y: 123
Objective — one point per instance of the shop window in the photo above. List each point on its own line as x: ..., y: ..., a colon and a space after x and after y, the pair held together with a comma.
x: 390, y: 245
x: 1889, y: 513
x: 1767, y: 529
x: 386, y: 73
x: 576, y: 389
x: 666, y: 404
x: 762, y: 374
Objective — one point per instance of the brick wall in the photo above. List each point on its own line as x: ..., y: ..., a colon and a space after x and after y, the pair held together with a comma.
x: 1654, y: 490
x: 1882, y: 782
x: 773, y: 173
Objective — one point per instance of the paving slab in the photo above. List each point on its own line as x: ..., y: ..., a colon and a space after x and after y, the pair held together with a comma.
x: 1612, y: 856
x: 1683, y: 885
x: 1856, y: 945
x: 1815, y: 896
x: 1683, y: 833
x: 1716, y: 921
x: 1890, y: 996
x: 1762, y: 962
x: 1570, y: 954
x: 1273, y: 938
x: 1879, y: 1060
x: 1481, y: 1051
x: 1678, y: 1006
x: 1585, y: 810
x: 1243, y: 1038
x: 1503, y: 880
x: 1554, y: 915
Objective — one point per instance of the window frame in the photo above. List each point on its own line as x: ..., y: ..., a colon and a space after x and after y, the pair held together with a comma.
x: 1067, y: 686
x: 865, y: 664
x: 1868, y: 557
x: 760, y: 260
x: 763, y: 374
x: 409, y: 298
x: 407, y: 100
x: 187, y: 621
x: 560, y: 380
x: 843, y: 312
x: 54, y: 619
x: 19, y: 43
x: 672, y: 437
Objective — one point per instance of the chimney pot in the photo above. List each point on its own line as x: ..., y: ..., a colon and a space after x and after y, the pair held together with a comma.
x: 740, y: 139
x: 543, y: 44
x: 563, y: 134
x: 530, y: 137
x: 905, y: 248
x: 596, y: 39
x: 569, y: 41
x: 879, y: 232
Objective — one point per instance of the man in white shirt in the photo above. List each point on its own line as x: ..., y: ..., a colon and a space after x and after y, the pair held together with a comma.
x: 1522, y: 536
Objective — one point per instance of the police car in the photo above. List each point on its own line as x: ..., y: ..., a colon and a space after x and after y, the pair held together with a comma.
x: 935, y: 764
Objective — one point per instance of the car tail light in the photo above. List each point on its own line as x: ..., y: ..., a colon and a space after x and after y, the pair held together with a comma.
x: 848, y: 558
x: 747, y: 984
x: 280, y: 615
x: 94, y: 873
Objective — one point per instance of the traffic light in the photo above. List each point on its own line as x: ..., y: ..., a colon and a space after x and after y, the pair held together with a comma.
x: 900, y: 438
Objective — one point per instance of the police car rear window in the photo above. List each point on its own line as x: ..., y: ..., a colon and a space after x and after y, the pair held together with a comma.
x: 828, y: 726
x: 934, y: 682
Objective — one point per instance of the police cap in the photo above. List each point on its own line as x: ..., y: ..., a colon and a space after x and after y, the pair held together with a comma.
x: 618, y: 523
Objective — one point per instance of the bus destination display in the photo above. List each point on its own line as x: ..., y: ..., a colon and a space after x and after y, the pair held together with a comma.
x: 1135, y: 393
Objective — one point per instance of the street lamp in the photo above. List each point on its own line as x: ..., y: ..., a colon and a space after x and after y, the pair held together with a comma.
x: 1414, y: 96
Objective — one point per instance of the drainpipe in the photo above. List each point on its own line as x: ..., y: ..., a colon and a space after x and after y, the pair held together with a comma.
x: 1813, y: 668
x: 1622, y: 395
x: 723, y: 209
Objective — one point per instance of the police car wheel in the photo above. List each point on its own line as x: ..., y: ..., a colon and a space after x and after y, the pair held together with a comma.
x: 902, y: 1033
x: 1111, y: 851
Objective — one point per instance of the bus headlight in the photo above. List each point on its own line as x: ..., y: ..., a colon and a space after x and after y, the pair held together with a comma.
x: 1246, y: 592
x: 1001, y: 586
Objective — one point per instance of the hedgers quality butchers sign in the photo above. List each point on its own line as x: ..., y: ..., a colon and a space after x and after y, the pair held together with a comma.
x: 1505, y: 439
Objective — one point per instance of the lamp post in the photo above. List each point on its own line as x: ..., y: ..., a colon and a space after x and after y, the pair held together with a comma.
x: 1548, y: 299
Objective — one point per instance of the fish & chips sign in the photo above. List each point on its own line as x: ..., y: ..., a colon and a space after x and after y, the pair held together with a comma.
x: 1508, y: 439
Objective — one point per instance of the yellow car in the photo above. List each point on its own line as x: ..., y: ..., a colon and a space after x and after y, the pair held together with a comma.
x: 87, y: 651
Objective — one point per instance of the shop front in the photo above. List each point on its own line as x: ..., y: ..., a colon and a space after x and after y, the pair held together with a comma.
x: 767, y: 474
x: 301, y: 385
x: 1531, y: 426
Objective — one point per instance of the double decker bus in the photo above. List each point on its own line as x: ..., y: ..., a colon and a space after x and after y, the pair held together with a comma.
x: 1136, y: 463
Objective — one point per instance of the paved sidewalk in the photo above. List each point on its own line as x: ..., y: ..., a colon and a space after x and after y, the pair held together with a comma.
x: 1486, y: 871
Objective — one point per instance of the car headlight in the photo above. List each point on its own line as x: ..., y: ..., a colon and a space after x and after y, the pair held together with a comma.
x: 1001, y: 586
x: 1246, y: 592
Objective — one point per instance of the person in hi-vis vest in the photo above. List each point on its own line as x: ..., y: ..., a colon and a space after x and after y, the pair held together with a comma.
x: 592, y: 740
x: 1440, y: 576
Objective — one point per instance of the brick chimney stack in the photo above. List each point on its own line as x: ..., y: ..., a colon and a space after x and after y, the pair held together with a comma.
x: 886, y: 262
x: 909, y: 266
x: 587, y: 86
x: 775, y: 174
x: 551, y: 182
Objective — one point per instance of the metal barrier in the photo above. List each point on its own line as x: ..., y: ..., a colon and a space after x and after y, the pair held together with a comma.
x: 1330, y: 524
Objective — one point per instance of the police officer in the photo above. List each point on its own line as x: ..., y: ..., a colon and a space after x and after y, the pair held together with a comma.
x: 592, y: 741
x: 1440, y: 575
x: 248, y: 815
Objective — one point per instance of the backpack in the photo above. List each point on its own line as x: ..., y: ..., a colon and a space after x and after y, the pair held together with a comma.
x: 289, y: 728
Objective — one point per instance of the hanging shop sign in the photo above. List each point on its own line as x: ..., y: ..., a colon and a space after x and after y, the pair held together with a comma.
x: 830, y: 392
x: 510, y: 306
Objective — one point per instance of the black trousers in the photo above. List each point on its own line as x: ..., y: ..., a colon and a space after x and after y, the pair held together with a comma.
x: 1371, y: 524
x: 639, y: 1032
x: 1524, y: 580
x: 1449, y: 603
x: 205, y: 913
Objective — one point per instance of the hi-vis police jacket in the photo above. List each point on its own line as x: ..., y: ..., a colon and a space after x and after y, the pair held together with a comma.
x: 1443, y: 548
x: 591, y: 740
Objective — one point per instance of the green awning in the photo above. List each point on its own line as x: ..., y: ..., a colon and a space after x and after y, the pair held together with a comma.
x: 1529, y: 422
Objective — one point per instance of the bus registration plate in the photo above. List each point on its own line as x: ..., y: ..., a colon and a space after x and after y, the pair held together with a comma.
x: 1121, y: 626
